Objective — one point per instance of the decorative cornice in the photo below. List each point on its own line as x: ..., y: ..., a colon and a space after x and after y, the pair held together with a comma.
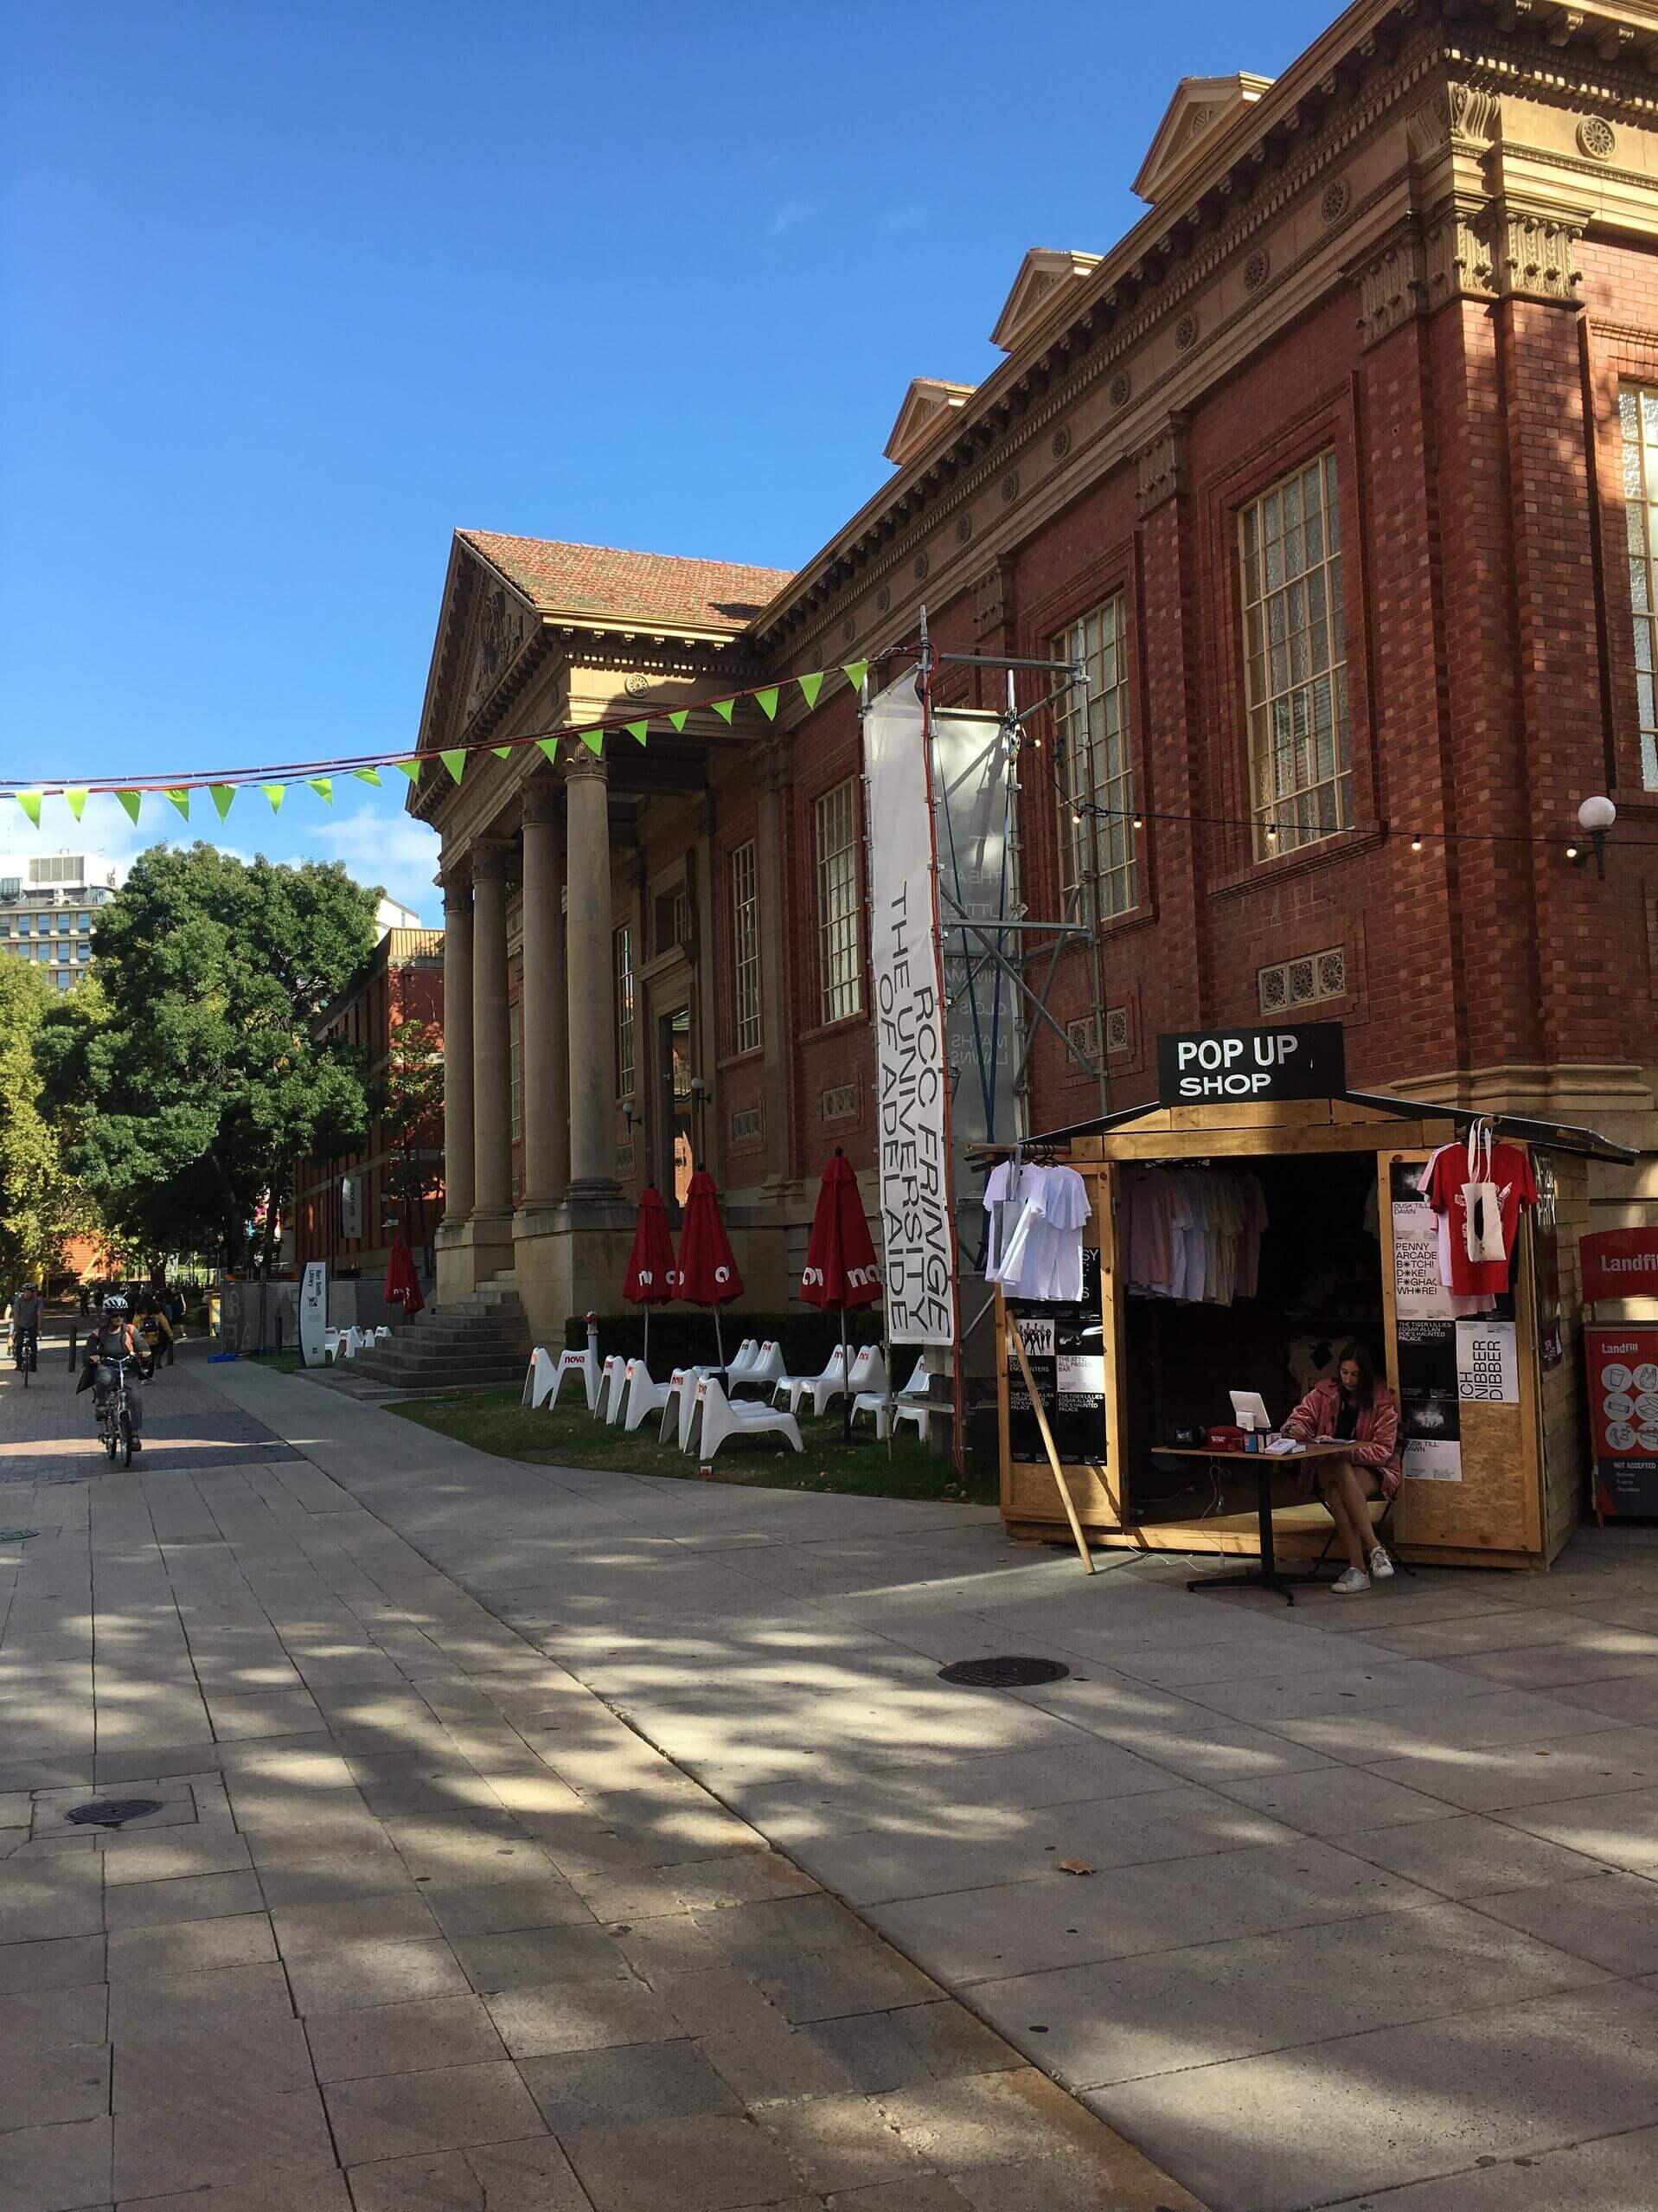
x: 1161, y: 464
x: 585, y: 767
x: 1392, y: 282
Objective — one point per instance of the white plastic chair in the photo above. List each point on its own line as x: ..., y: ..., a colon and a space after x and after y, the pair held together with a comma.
x: 763, y: 1371
x: 721, y: 1420
x: 331, y: 1345
x: 540, y: 1379
x: 382, y: 1334
x: 643, y: 1396
x: 583, y: 1364
x: 795, y: 1386
x: 612, y: 1379
x: 747, y: 1352
x: 679, y: 1407
x: 909, y: 1404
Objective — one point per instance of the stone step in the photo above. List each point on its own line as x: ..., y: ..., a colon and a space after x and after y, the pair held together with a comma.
x: 493, y: 1368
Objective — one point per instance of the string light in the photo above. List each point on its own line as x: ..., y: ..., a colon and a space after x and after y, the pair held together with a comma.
x: 1416, y: 844
x: 1571, y: 852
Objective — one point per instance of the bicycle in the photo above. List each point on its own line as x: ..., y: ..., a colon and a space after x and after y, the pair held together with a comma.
x: 26, y: 1350
x: 115, y: 1414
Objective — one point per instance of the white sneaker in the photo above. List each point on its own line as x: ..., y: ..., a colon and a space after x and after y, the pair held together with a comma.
x: 1381, y: 1567
x: 1351, y: 1582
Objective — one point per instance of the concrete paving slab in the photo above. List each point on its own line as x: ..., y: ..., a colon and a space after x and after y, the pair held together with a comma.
x: 830, y: 1626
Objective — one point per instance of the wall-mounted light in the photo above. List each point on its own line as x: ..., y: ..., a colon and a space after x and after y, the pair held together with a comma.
x: 1594, y: 817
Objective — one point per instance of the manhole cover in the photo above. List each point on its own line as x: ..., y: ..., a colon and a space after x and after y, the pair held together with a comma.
x: 1004, y: 1674
x: 110, y: 1812
x: 17, y: 1535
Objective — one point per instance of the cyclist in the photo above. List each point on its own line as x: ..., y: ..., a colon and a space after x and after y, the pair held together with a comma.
x: 26, y: 1310
x: 115, y: 1337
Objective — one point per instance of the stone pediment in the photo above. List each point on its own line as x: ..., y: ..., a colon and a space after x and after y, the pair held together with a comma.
x: 926, y: 403
x: 1200, y: 107
x: 1044, y: 273
x: 501, y: 626
x: 485, y: 629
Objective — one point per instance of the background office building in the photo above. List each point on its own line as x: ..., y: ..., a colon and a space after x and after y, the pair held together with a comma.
x: 49, y: 910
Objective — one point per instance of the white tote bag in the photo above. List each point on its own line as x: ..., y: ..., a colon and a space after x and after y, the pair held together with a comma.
x: 1482, y: 1200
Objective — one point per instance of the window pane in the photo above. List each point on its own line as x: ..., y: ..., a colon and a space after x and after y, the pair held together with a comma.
x: 840, y: 934
x: 1093, y: 765
x: 1296, y: 689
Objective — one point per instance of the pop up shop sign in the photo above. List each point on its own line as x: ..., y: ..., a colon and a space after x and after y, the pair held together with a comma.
x: 1199, y: 1067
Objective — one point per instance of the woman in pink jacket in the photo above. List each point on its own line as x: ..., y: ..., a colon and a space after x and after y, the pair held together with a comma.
x: 1352, y: 1408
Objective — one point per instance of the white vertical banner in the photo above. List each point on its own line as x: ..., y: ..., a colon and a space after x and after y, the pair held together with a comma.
x: 313, y: 1313
x: 911, y: 1064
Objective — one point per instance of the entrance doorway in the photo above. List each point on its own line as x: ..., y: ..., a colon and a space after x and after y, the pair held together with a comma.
x: 677, y: 1140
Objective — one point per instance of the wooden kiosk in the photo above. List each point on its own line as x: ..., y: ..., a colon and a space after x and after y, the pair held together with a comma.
x: 1495, y: 1452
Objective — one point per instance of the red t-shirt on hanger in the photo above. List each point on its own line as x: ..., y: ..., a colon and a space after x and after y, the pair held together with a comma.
x: 1511, y: 1171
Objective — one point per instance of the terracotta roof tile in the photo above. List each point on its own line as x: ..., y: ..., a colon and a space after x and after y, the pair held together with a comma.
x: 602, y: 580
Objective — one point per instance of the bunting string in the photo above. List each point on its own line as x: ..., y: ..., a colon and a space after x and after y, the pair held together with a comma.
x: 223, y: 784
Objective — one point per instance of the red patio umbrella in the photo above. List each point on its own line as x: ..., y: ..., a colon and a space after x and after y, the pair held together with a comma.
x: 840, y: 1267
x: 650, y: 1277
x: 402, y: 1284
x: 707, y: 1266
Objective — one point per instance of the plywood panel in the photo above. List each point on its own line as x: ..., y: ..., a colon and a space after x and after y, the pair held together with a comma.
x: 1028, y: 1495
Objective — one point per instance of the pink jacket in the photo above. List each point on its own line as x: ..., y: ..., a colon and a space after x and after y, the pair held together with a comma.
x: 1375, y: 1441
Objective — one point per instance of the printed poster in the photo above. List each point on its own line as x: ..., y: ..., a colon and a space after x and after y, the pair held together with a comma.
x: 911, y: 1064
x: 1430, y: 1397
x: 1065, y: 1346
x: 1488, y: 1363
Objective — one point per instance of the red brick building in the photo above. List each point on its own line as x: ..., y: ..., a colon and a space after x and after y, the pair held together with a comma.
x: 348, y: 1209
x: 1335, y: 471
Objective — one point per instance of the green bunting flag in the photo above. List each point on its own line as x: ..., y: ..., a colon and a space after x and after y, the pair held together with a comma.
x: 641, y: 730
x: 367, y: 776
x: 766, y: 701
x: 679, y: 716
x: 502, y: 752
x: 411, y: 769
x: 221, y: 795
x: 722, y: 708
x: 76, y: 800
x: 30, y: 803
x: 181, y: 799
x: 809, y: 687
x: 276, y: 794
x: 854, y: 673
x: 593, y: 739
x: 456, y: 764
x: 132, y: 801
x: 548, y: 748
x: 323, y: 787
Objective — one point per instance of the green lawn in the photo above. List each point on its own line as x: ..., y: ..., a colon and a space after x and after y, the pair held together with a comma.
x: 279, y: 1363
x: 493, y: 1420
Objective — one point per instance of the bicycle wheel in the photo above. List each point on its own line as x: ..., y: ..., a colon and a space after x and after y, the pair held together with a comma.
x: 109, y: 1436
x: 127, y: 1439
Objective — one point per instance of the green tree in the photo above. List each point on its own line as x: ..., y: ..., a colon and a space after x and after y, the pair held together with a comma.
x: 39, y: 1205
x: 187, y: 1072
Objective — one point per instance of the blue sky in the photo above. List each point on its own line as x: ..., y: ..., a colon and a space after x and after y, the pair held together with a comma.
x: 292, y: 290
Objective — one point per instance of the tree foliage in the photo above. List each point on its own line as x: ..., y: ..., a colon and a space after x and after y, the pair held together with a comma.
x: 39, y: 1205
x: 186, y: 1071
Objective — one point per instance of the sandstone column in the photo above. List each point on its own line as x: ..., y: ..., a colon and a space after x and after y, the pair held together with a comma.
x: 459, y: 1187
x: 546, y: 1094
x: 591, y: 1003
x: 491, y: 1075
